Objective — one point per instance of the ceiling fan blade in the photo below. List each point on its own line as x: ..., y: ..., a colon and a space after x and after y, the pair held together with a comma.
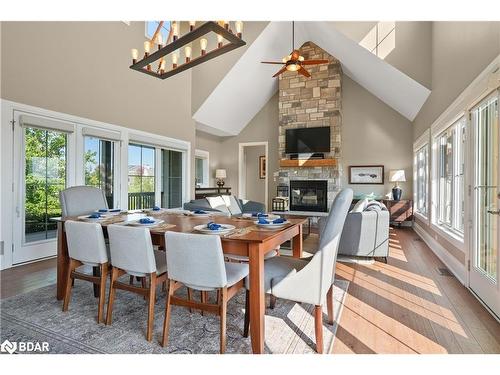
x: 281, y: 71
x: 271, y: 62
x: 303, y: 72
x: 314, y: 62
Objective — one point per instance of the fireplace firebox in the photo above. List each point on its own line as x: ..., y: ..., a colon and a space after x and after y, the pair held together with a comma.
x: 308, y: 195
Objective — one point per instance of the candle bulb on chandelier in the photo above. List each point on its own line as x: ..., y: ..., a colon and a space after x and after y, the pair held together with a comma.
x: 175, y: 57
x: 187, y: 52
x: 175, y: 31
x: 203, y: 46
x: 159, y: 40
x: 135, y: 55
x: 192, y: 25
x: 239, y: 28
x: 226, y: 25
x: 162, y: 66
x: 220, y: 38
x: 147, y: 48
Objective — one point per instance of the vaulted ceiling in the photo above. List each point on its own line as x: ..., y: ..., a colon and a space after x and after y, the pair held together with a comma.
x: 248, y: 85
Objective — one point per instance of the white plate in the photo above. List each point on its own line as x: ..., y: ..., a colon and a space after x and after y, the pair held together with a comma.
x: 206, y: 214
x: 110, y: 213
x: 225, y: 228
x: 268, y: 217
x: 271, y: 225
x: 136, y: 223
x: 87, y: 218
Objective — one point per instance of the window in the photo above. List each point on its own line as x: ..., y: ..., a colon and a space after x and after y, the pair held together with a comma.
x: 450, y: 177
x: 201, y: 167
x: 381, y: 39
x: 141, y: 176
x: 151, y: 27
x: 421, y: 167
x: 45, y: 177
x: 99, y: 165
x: 171, y: 182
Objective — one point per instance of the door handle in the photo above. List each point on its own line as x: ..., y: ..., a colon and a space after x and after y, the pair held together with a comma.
x: 494, y: 212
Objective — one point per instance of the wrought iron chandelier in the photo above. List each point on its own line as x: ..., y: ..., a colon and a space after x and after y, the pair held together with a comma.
x: 166, y: 60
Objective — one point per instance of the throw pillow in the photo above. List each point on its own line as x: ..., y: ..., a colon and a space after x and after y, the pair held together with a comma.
x: 360, y: 206
x: 232, y: 204
x: 217, y: 203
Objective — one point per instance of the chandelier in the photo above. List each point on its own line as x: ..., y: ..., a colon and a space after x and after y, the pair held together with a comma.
x: 208, y: 40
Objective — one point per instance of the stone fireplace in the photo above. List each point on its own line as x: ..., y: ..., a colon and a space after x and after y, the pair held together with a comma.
x: 312, y: 102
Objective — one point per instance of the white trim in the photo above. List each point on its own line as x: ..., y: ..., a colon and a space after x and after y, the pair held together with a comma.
x: 45, y: 123
x: 458, y: 269
x: 241, y: 168
x: 90, y: 131
x: 423, y: 140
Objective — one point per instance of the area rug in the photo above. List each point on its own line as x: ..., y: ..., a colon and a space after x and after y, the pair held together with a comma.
x: 37, y: 317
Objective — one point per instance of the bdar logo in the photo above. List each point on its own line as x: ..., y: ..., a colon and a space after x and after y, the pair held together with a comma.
x: 9, y: 347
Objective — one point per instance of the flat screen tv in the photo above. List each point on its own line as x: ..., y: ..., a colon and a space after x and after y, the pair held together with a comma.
x: 307, y: 140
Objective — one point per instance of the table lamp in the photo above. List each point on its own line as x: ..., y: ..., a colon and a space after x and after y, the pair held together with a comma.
x: 220, y: 175
x: 397, y: 175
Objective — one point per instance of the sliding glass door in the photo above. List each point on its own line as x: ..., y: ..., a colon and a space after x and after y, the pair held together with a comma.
x: 141, y: 176
x: 99, y: 165
x: 171, y: 178
x: 484, y: 270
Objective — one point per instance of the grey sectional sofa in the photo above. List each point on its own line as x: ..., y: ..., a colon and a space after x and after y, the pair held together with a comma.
x: 245, y: 206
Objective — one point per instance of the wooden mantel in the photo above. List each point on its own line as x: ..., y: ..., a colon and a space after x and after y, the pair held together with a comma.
x: 308, y: 163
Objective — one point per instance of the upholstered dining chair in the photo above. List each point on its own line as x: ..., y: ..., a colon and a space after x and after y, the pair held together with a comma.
x: 86, y: 247
x: 197, y: 262
x: 81, y: 200
x: 310, y: 281
x: 132, y: 253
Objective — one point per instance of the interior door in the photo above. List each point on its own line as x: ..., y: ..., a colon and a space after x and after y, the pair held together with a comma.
x: 40, y: 172
x: 485, y: 266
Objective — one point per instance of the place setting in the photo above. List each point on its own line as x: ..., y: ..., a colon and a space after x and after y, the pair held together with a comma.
x: 214, y: 228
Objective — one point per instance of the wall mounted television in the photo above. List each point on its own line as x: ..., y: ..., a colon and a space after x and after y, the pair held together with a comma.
x: 307, y: 140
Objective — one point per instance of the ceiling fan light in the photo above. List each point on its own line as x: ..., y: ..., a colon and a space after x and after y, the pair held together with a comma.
x: 301, y: 58
x: 292, y: 67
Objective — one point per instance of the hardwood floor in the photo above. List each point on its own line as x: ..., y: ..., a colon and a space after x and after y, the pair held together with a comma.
x: 404, y: 306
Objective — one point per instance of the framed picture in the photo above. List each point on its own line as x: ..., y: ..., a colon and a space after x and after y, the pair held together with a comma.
x: 366, y: 174
x: 262, y: 167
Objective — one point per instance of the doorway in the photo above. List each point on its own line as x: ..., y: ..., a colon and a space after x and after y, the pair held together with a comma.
x: 253, y: 173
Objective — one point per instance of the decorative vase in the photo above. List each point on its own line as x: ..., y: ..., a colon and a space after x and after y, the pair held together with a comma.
x: 396, y: 193
x: 220, y: 183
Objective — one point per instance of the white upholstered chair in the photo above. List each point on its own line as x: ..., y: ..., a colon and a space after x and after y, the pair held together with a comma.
x: 132, y: 253
x: 310, y: 281
x: 81, y: 200
x: 197, y: 262
x: 86, y: 246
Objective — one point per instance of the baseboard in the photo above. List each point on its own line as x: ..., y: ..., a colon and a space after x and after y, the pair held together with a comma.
x: 449, y: 261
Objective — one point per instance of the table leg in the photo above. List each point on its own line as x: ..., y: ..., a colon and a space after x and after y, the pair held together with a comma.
x: 257, y: 298
x: 297, y: 244
x: 62, y: 260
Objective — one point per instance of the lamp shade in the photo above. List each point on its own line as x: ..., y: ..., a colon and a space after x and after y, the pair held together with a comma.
x: 397, y: 175
x: 220, y: 173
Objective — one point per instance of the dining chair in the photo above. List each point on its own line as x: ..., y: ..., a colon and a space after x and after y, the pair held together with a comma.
x: 86, y: 246
x: 310, y: 281
x: 197, y: 262
x: 132, y: 253
x: 81, y: 200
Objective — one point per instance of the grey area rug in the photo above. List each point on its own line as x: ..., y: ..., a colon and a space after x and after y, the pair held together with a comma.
x: 37, y: 316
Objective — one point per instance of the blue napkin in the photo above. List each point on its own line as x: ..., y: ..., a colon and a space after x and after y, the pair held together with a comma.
x: 275, y: 221
x: 103, y: 210
x: 94, y: 215
x: 156, y: 208
x: 259, y: 214
x: 263, y: 221
x: 115, y: 210
x: 199, y: 212
x: 279, y: 220
x: 146, y: 220
x: 213, y: 226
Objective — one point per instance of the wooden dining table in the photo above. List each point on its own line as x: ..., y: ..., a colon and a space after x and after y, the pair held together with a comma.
x: 246, y: 239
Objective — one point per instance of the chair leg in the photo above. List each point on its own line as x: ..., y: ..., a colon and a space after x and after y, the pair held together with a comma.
x: 69, y: 285
x: 144, y: 284
x: 203, y: 299
x: 247, y: 313
x: 272, y: 302
x: 151, y: 305
x: 190, y: 297
x: 166, y: 321
x: 318, y: 327
x: 223, y: 312
x: 111, y: 297
x: 329, y: 305
x: 102, y: 292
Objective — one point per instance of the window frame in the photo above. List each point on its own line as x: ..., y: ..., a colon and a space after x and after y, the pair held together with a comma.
x: 451, y: 232
x: 422, y: 142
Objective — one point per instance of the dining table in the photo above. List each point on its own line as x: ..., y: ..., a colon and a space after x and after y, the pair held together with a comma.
x: 247, y: 238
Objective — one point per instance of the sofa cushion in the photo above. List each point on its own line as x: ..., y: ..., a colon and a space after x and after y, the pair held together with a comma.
x: 360, y: 206
x: 232, y: 204
x: 217, y: 203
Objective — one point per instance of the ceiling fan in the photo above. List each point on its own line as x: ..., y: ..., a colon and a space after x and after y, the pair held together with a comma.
x: 295, y: 62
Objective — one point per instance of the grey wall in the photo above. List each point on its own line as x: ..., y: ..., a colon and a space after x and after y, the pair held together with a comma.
x: 374, y: 134
x: 255, y: 187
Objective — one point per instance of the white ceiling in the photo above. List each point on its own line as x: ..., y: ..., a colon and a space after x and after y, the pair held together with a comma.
x: 249, y: 85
